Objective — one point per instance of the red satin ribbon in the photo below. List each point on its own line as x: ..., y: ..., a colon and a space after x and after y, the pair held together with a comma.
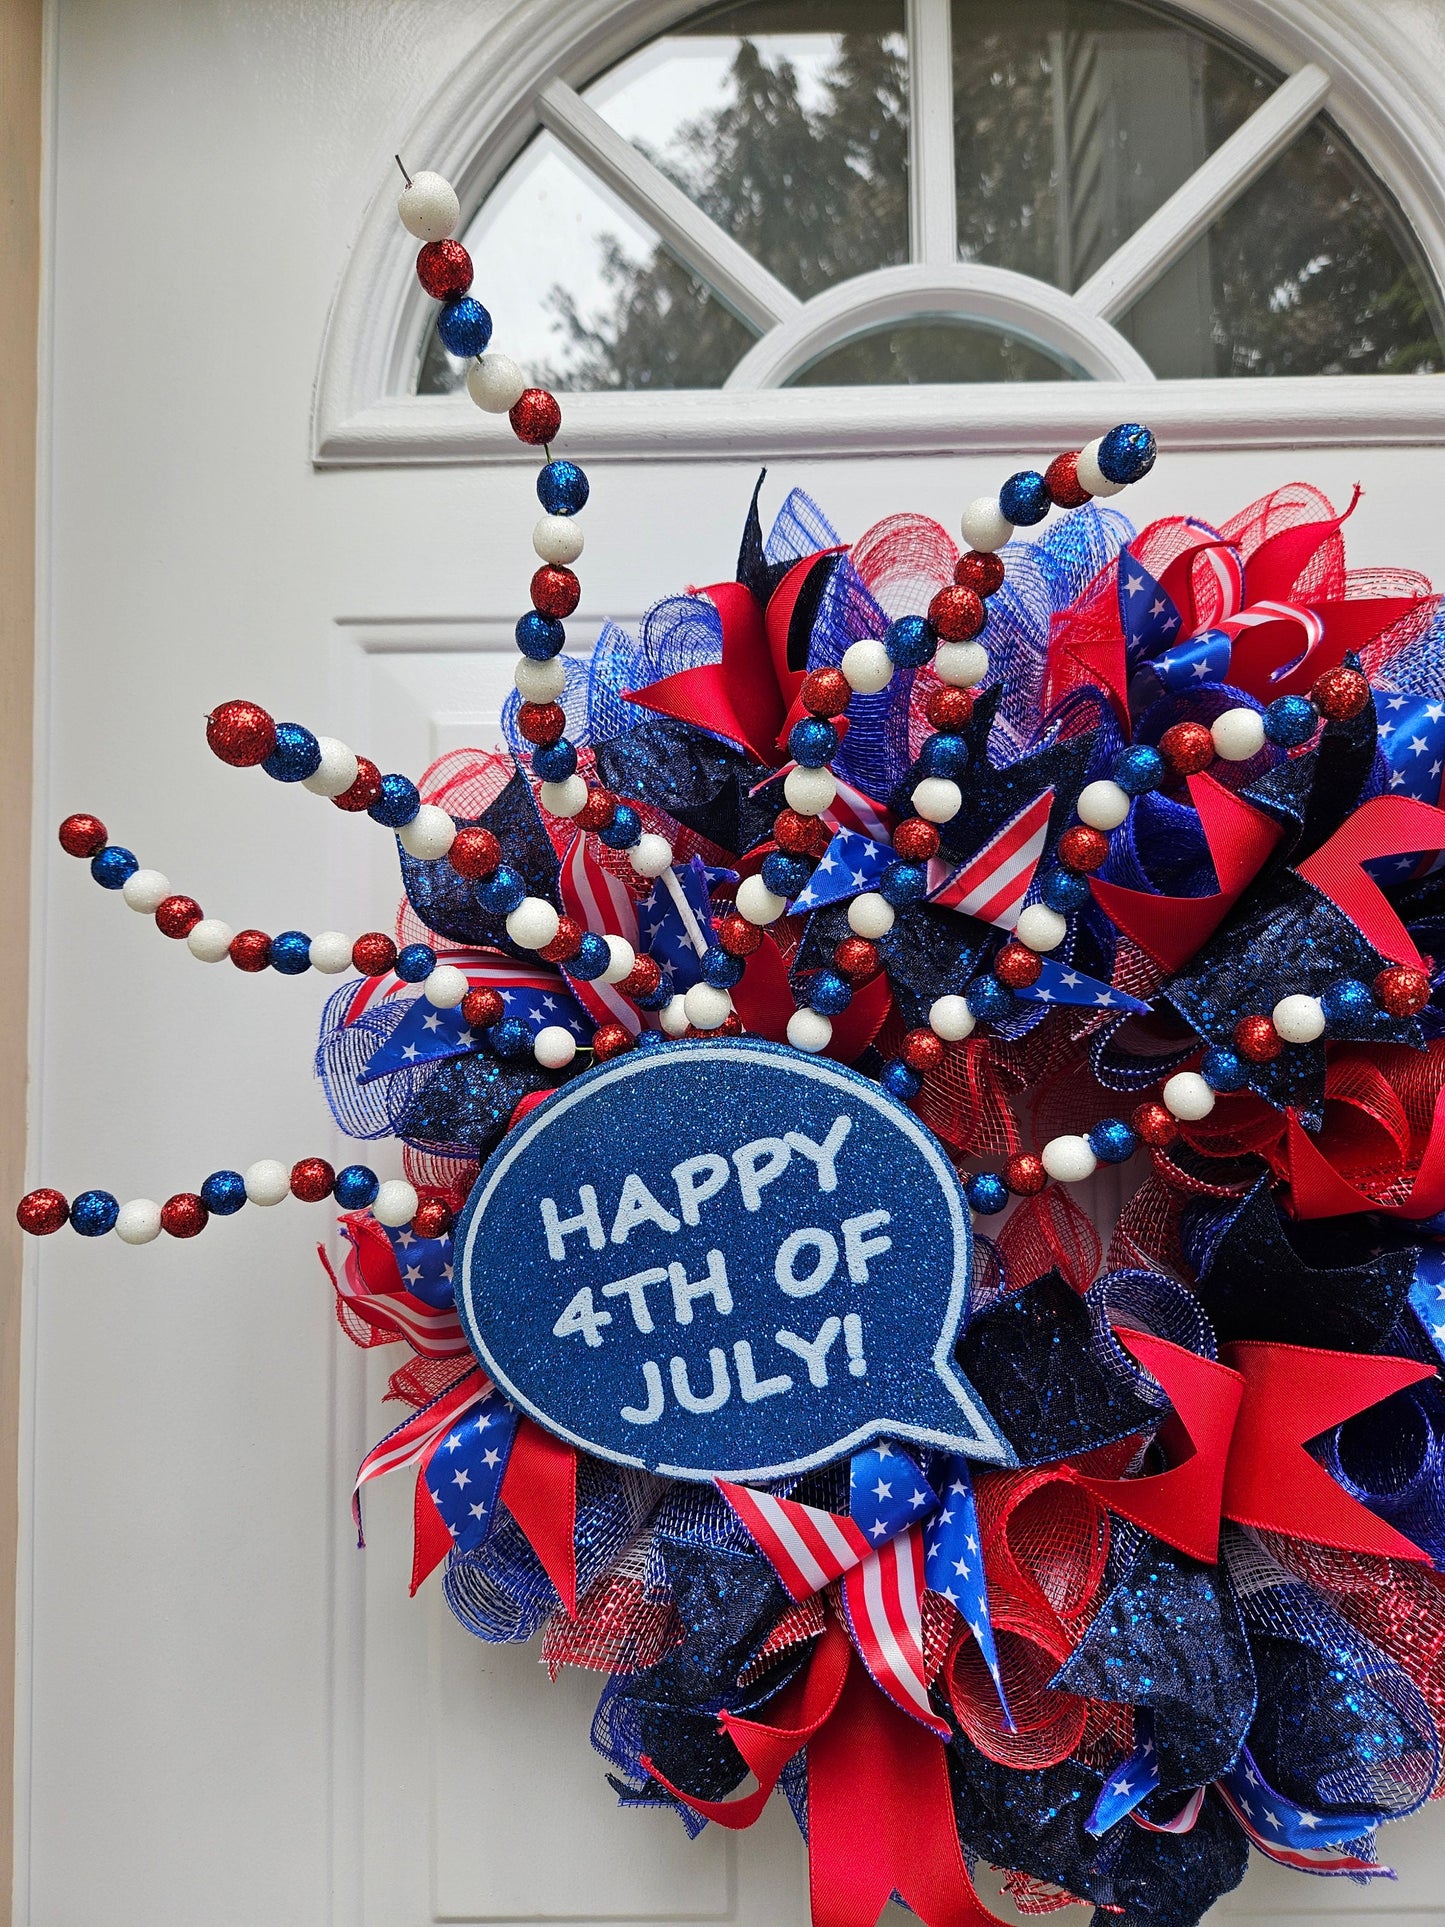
x: 1385, y: 826
x: 539, y: 1489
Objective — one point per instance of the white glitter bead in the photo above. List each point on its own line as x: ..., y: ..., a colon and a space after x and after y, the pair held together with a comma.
x: 267, y: 1181
x: 623, y: 958
x: 540, y: 682
x: 428, y: 207
x: 533, y: 924
x: 429, y: 835
x: 706, y: 1006
x: 866, y: 666
x: 984, y: 525
x: 951, y: 1018
x: 937, y: 799
x: 335, y: 773
x: 395, y: 1203
x: 558, y: 539
x: 1090, y: 475
x: 1238, y: 734
x: 495, y: 382
x: 673, y: 1018
x: 1040, y: 928
x: 650, y: 855
x: 1299, y: 1019
x: 810, y: 1030
x: 554, y: 1047
x: 146, y: 890
x: 210, y: 941
x: 870, y: 915
x: 138, y: 1222
x: 330, y: 952
x: 809, y: 791
x: 1103, y: 805
x: 961, y: 664
x: 568, y: 798
x: 1188, y: 1097
x: 758, y: 903
x: 1068, y: 1159
x: 445, y: 988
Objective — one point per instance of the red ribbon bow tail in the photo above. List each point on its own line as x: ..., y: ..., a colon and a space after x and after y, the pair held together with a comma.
x: 1385, y: 826
x: 539, y: 1489
x: 431, y: 1538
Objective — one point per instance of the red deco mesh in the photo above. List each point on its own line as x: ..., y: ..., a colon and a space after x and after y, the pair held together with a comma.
x: 620, y: 1627
x: 1146, y: 1236
x: 422, y: 1379
x: 1050, y: 1233
x: 904, y: 560
x: 1031, y: 1896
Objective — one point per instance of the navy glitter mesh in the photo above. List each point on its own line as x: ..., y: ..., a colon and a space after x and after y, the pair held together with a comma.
x: 701, y: 781
x: 443, y: 898
x: 464, y: 1107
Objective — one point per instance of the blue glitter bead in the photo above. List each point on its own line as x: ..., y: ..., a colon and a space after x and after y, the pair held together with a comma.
x: 562, y: 488
x: 657, y: 999
x: 415, y: 962
x: 1113, y: 1142
x: 356, y: 1186
x: 511, y: 1038
x: 501, y: 892
x: 223, y: 1193
x: 111, y: 866
x: 555, y: 762
x: 720, y: 968
x: 903, y: 883
x: 1349, y: 1007
x: 1063, y: 891
x: 785, y: 875
x: 290, y: 953
x: 464, y: 326
x: 987, y: 1193
x: 943, y: 756
x: 592, y: 958
x: 1024, y: 498
x: 296, y: 756
x: 94, y: 1213
x: 830, y: 992
x: 624, y: 829
x: 398, y: 803
x: 988, y: 999
x: 812, y: 742
x: 1138, y: 769
x: 539, y: 637
x: 910, y: 642
x: 1223, y: 1069
x: 1126, y: 454
x: 1290, y: 721
x: 901, y: 1082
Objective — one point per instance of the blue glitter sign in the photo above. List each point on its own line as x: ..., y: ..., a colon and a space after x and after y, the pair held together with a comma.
x: 724, y: 1258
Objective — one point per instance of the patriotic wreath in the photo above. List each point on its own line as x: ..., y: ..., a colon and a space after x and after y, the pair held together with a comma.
x: 816, y: 939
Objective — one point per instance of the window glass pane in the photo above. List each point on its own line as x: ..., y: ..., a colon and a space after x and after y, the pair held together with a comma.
x: 1075, y: 119
x: 934, y: 348
x: 1311, y: 272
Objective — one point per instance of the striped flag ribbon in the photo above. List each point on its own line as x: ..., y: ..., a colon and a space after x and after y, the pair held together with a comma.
x: 993, y: 883
x: 601, y: 903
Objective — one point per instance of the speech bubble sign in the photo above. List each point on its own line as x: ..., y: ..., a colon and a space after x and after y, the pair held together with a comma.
x: 724, y: 1258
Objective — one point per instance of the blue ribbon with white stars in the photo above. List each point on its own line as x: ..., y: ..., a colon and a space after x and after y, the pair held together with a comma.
x: 851, y: 863
x: 1148, y: 616
x: 424, y: 1265
x: 1427, y: 1295
x: 1412, y: 741
x: 1059, y: 983
x: 953, y: 1567
x: 465, y: 1469
x: 887, y: 1493
x: 1278, y: 1822
x: 1131, y: 1782
x: 663, y: 931
x: 427, y: 1035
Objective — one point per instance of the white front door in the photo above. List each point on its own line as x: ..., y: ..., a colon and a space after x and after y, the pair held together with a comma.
x: 231, y: 1716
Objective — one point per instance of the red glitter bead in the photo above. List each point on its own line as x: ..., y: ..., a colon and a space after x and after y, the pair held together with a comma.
x: 599, y: 809
x: 1155, y: 1125
x: 915, y: 840
x: 41, y: 1212
x: 1402, y: 990
x: 177, y: 916
x: 731, y: 1026
x: 857, y: 959
x: 475, y: 852
x: 444, y: 268
x: 1256, y: 1038
x: 250, y: 950
x: 739, y: 937
x: 1187, y: 748
x: 566, y: 943
x: 1024, y: 1174
x: 373, y: 954
x: 482, y: 1008
x: 950, y: 709
x: 1061, y: 479
x: 434, y: 1218
x: 826, y: 692
x: 610, y: 1040
x: 184, y: 1216
x: 643, y: 978
x: 957, y: 613
x: 312, y: 1180
x: 799, y: 835
x: 1083, y: 848
x: 555, y: 591
x: 82, y: 836
x: 241, y: 734
x: 1340, y: 693
x: 364, y: 790
x: 922, y: 1050
x: 541, y: 722
x: 1017, y: 966
x: 980, y: 571
x: 535, y: 416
